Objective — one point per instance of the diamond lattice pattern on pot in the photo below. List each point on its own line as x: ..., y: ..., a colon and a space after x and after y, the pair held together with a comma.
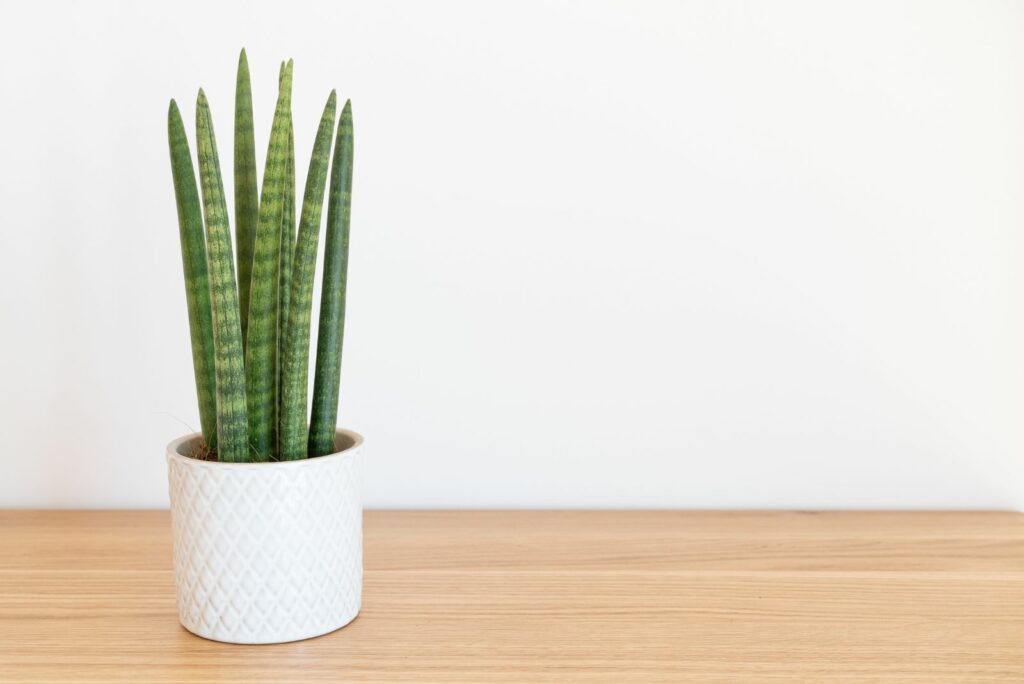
x: 266, y: 552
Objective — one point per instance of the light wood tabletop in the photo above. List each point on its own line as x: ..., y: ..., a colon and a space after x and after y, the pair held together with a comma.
x: 498, y: 596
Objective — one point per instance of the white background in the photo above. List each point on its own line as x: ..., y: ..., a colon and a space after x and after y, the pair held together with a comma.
x: 680, y: 254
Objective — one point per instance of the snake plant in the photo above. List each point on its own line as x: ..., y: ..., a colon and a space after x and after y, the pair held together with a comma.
x: 250, y: 321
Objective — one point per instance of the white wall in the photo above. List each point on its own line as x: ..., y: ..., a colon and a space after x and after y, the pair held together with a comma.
x: 680, y: 254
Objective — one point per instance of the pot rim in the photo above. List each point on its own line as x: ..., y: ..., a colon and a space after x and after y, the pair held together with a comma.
x: 347, y: 452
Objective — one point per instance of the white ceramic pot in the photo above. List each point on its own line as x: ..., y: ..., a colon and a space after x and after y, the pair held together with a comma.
x: 266, y: 552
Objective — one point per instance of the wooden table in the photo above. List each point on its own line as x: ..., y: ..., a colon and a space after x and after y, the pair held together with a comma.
x: 489, y: 596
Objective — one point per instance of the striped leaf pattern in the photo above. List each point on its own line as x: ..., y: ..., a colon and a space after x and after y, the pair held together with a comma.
x: 232, y: 423
x: 326, y: 380
x: 287, y: 252
x: 288, y: 232
x: 295, y: 355
x: 197, y: 286
x: 246, y: 200
x: 250, y: 336
x: 261, y: 348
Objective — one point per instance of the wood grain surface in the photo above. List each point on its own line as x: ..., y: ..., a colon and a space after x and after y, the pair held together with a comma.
x: 569, y: 596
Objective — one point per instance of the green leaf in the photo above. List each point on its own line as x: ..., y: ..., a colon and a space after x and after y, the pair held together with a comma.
x: 287, y: 252
x: 288, y: 223
x: 246, y: 199
x: 232, y: 421
x: 295, y: 355
x: 197, y: 286
x: 261, y: 347
x: 327, y: 378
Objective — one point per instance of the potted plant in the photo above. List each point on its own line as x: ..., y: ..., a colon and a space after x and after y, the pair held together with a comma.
x: 264, y: 506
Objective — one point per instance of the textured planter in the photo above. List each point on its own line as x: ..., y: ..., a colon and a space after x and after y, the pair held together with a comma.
x: 266, y: 552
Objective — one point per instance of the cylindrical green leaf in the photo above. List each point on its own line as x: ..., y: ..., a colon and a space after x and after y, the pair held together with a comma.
x: 197, y: 286
x: 287, y: 252
x: 327, y: 378
x: 246, y: 188
x: 261, y: 348
x: 232, y: 420
x: 295, y: 355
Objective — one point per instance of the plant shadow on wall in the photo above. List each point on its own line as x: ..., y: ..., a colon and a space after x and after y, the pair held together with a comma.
x: 250, y: 339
